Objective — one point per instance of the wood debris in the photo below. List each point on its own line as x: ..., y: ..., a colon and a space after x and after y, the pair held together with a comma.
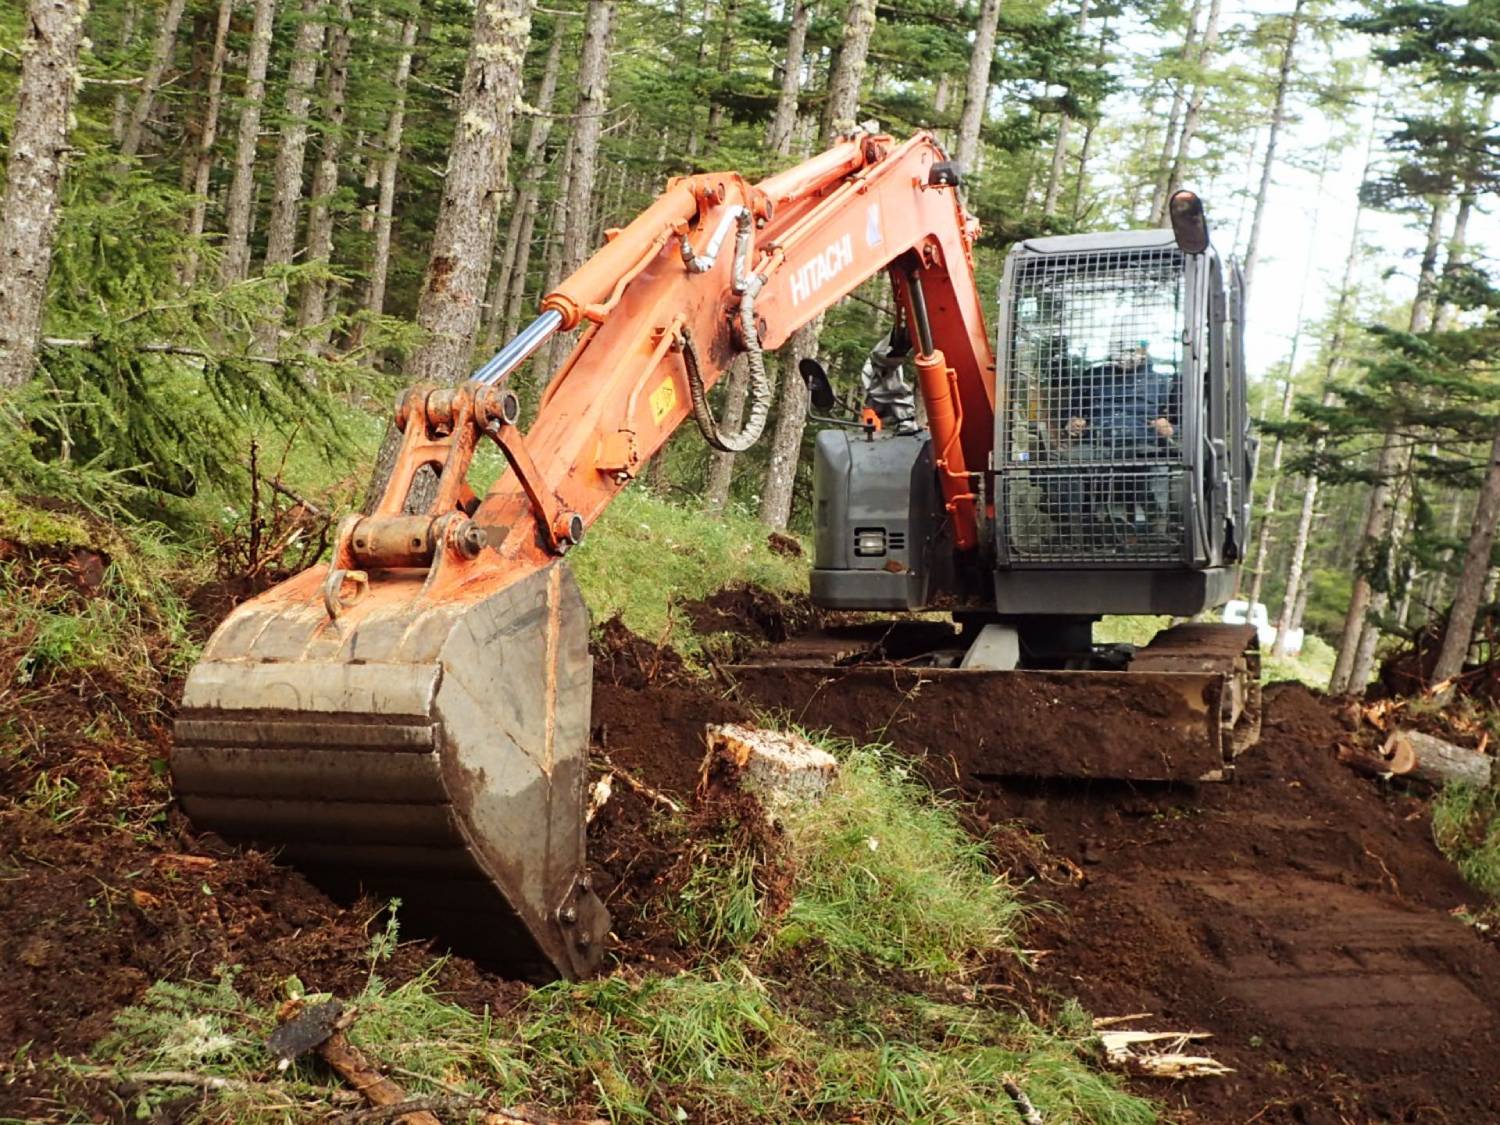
x: 1028, y: 1112
x: 1155, y: 1054
x: 599, y: 797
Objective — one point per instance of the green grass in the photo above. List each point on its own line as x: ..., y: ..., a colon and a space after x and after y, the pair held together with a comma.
x: 709, y: 1046
x: 887, y: 877
x: 1312, y: 666
x: 846, y: 1005
x: 1466, y: 827
x: 882, y: 877
x: 132, y: 627
x: 1129, y: 630
x: 647, y: 554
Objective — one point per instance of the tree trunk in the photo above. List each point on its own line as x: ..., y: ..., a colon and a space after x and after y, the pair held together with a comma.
x: 1471, y: 578
x: 593, y: 97
x: 515, y: 255
x: 695, y: 134
x: 1380, y: 509
x: 38, y: 144
x: 325, y: 180
x: 1060, y: 146
x: 453, y: 287
x: 202, y: 158
x: 838, y: 117
x: 942, y: 90
x: 1437, y: 762
x: 390, y: 161
x: 784, y: 120
x: 1263, y: 545
x: 1278, y: 118
x: 1380, y: 600
x: 583, y: 158
x: 1088, y: 133
x: 977, y: 86
x: 239, y: 205
x: 1335, y: 346
x: 121, y: 112
x: 551, y: 356
x: 1268, y: 513
x: 291, y: 156
x: 725, y: 66
x: 841, y: 110
x: 786, y: 439
x: 1179, y: 100
x: 779, y: 139
x: 161, y: 57
x: 286, y: 180
x: 1194, y: 107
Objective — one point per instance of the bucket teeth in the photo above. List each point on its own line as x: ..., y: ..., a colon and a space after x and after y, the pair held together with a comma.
x: 435, y: 753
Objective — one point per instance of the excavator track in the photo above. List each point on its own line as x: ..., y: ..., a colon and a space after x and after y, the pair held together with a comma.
x: 433, y: 754
x: 1187, y: 705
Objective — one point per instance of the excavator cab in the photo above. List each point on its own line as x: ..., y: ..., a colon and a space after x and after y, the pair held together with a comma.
x: 1117, y: 484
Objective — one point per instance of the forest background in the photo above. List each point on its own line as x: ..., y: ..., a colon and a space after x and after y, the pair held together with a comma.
x: 223, y: 223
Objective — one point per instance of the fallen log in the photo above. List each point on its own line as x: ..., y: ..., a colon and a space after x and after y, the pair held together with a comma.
x: 1427, y: 758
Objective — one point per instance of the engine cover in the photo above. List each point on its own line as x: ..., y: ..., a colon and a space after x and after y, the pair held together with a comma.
x: 879, y: 538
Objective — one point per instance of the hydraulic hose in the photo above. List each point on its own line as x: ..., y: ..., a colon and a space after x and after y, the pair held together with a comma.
x: 761, y: 390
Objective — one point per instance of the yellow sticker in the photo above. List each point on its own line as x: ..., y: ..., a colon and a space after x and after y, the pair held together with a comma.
x: 663, y: 399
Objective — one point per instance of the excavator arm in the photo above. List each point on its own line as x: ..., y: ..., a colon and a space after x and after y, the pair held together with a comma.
x: 413, y: 717
x: 714, y: 269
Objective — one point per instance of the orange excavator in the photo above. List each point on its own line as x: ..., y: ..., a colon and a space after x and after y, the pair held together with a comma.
x: 413, y: 716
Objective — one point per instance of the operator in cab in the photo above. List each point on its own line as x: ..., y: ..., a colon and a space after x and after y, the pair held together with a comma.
x: 1120, y: 407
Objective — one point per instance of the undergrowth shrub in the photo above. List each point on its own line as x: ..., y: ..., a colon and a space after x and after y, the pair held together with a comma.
x: 82, y: 597
x: 1466, y: 827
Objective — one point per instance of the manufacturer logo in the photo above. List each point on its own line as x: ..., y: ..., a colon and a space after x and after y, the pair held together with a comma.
x: 827, y: 265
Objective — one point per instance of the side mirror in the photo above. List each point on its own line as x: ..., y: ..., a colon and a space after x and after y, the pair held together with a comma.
x: 1189, y: 226
x: 819, y: 389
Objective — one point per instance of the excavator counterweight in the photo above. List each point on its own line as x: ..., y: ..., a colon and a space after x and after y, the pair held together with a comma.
x: 412, y: 718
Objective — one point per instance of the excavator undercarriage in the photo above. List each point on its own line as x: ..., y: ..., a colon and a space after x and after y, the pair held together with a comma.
x: 412, y: 718
x: 1180, y: 708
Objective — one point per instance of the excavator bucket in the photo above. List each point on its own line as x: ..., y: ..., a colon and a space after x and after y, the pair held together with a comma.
x: 430, y: 750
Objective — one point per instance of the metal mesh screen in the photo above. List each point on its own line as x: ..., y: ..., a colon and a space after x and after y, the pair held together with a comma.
x: 1091, y: 456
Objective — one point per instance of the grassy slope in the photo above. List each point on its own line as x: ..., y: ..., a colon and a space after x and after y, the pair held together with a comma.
x: 647, y: 555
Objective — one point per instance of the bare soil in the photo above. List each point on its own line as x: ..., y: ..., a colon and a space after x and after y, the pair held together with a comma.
x: 1301, y: 913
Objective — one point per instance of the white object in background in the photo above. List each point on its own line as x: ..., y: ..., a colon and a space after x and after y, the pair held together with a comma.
x: 1241, y: 612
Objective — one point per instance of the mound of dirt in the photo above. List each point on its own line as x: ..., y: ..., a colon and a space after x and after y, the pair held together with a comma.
x: 755, y: 616
x: 1300, y: 913
x: 648, y: 721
